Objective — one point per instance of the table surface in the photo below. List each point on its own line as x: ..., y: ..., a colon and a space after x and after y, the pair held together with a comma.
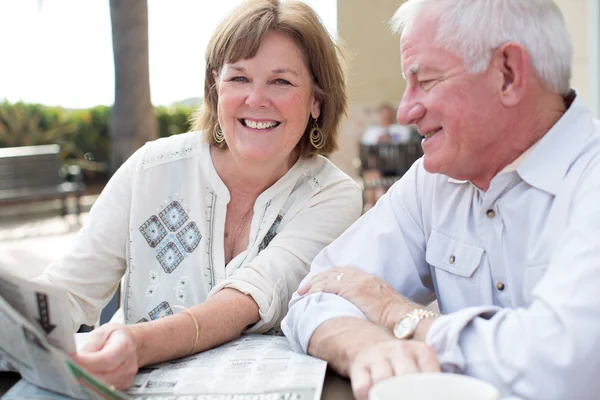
x: 335, y: 387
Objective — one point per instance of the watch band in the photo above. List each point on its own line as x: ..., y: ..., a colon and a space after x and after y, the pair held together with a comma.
x: 407, y: 325
x: 422, y: 313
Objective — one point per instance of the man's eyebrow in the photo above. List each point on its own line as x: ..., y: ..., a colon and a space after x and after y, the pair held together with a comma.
x: 412, y: 70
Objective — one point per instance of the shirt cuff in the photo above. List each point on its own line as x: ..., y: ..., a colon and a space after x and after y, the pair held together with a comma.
x: 309, y: 312
x: 445, y: 333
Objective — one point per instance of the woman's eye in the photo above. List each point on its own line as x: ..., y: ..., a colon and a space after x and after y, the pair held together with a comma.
x: 239, y: 79
x: 281, y: 81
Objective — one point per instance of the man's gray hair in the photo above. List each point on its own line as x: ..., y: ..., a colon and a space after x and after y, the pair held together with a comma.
x: 472, y: 29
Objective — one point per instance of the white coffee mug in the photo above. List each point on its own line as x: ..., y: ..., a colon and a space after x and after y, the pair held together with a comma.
x: 433, y: 386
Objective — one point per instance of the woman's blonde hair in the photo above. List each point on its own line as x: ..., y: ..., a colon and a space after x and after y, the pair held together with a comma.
x: 239, y: 36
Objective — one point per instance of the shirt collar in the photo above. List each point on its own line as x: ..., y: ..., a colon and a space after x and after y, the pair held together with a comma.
x: 553, y: 155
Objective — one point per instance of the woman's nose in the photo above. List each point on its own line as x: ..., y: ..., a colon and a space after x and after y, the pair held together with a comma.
x: 258, y: 97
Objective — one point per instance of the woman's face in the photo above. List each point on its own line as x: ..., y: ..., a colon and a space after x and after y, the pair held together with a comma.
x: 265, y: 102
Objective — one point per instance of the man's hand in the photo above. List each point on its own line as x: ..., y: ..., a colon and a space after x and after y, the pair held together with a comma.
x: 110, y: 355
x: 385, y: 359
x: 376, y: 298
x: 367, y: 353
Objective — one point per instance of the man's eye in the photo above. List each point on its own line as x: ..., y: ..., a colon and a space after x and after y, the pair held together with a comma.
x: 427, y: 84
x: 281, y: 81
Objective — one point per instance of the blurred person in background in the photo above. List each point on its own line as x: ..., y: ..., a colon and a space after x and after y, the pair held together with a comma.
x: 387, y: 131
x: 213, y: 230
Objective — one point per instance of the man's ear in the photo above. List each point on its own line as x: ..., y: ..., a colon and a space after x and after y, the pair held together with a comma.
x: 512, y: 72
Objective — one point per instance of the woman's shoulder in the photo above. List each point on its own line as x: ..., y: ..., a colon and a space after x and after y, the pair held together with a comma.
x: 321, y: 172
x: 172, y: 149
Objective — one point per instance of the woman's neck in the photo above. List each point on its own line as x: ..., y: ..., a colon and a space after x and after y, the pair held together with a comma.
x: 246, y: 178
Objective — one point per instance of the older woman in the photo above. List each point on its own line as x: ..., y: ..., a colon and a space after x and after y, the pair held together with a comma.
x: 214, y: 229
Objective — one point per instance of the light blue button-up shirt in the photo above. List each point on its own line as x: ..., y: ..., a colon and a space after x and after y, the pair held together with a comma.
x: 515, y: 269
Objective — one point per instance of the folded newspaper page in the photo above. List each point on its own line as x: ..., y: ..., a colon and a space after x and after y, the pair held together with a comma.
x: 253, y: 367
x: 35, y: 338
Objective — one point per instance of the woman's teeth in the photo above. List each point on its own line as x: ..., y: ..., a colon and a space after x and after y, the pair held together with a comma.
x: 260, y: 125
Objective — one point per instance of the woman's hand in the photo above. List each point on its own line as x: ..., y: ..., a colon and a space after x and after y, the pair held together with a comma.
x: 376, y: 298
x: 110, y: 355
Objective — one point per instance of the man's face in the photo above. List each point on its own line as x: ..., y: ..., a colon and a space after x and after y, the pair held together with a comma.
x: 457, y: 113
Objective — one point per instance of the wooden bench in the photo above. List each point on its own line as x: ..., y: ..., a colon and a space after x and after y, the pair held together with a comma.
x: 31, y: 173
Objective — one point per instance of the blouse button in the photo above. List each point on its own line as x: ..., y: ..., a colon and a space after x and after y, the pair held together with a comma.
x: 452, y: 259
x: 490, y: 213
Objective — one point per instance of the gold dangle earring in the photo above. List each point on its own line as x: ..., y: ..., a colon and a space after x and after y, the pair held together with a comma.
x: 218, y: 135
x: 317, y: 139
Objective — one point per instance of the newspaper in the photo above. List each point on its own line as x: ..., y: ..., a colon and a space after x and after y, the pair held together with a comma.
x: 253, y: 367
x: 35, y: 337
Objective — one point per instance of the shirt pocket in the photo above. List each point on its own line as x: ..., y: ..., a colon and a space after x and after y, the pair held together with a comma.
x: 455, y: 264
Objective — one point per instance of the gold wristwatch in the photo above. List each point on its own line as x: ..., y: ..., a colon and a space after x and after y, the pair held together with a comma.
x: 407, y: 325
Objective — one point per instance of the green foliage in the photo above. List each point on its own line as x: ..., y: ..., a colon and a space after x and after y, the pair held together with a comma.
x: 173, y: 120
x: 32, y: 124
x: 82, y: 134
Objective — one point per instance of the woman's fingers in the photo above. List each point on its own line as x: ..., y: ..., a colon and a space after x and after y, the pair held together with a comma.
x: 111, y: 356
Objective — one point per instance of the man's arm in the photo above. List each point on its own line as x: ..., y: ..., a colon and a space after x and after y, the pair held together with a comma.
x: 387, y: 242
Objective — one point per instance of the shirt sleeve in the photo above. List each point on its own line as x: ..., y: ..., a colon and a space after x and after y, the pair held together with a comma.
x: 387, y: 242
x: 96, y: 261
x: 548, y: 350
x: 274, y: 274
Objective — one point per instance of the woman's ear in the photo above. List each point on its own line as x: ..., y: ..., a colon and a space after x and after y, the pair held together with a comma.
x: 315, y: 109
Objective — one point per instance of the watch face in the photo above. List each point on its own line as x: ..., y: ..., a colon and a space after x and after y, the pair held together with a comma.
x: 405, y: 327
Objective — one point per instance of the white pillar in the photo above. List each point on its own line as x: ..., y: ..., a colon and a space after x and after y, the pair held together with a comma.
x: 594, y: 55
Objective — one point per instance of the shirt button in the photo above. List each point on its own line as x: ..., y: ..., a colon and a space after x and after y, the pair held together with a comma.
x: 452, y: 259
x: 490, y: 213
x: 500, y: 286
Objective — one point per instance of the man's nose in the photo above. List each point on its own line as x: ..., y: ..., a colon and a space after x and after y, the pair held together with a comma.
x: 409, y: 111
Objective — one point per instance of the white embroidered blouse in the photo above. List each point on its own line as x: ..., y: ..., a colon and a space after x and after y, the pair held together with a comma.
x: 159, y: 225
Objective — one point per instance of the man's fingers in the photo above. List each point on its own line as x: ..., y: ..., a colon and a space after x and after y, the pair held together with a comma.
x: 427, y: 359
x: 381, y: 370
x: 404, y: 363
x: 304, y: 289
x: 360, y: 379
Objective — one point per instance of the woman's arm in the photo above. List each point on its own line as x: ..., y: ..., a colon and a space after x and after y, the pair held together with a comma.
x: 115, y: 351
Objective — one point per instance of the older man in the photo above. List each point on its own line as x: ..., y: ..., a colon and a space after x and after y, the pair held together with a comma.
x: 499, y: 221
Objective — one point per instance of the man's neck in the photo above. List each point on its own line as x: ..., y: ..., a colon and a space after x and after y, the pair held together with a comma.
x: 532, y: 124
